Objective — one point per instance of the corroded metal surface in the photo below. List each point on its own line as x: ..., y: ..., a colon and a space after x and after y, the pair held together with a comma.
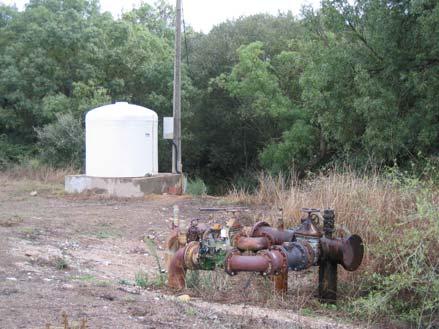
x: 266, y: 250
x: 266, y: 262
x: 328, y: 268
x: 275, y: 236
x: 191, y: 255
x: 300, y: 256
x: 246, y: 243
x: 346, y: 252
x: 177, y: 270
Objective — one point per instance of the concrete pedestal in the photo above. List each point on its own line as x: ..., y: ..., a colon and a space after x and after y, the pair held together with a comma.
x: 125, y: 187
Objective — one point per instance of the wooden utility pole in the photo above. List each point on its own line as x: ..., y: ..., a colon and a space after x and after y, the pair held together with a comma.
x: 176, y: 149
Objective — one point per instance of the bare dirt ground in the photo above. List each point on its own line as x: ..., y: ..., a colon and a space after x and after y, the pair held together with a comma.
x: 80, y: 255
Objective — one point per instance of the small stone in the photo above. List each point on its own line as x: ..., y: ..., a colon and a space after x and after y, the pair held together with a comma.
x: 184, y: 298
x: 11, y: 279
x: 33, y: 193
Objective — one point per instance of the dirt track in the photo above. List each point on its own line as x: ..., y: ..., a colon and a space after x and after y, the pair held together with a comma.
x: 80, y: 255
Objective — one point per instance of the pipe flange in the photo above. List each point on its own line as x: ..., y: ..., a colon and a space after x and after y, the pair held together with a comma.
x: 191, y: 255
x: 257, y: 226
x: 230, y: 254
x: 284, y: 265
x: 234, y: 241
x: 310, y: 253
x: 268, y: 237
x: 266, y: 254
x: 353, y: 252
x: 304, y: 260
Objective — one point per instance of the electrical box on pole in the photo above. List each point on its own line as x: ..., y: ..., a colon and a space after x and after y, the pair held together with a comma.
x: 168, y: 128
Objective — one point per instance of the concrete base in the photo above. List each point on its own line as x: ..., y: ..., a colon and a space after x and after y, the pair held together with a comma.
x: 125, y: 187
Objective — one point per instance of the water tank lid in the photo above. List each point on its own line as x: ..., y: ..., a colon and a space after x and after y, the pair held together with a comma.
x: 121, y: 111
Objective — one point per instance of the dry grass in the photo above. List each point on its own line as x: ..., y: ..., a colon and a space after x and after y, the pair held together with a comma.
x: 396, y: 216
x: 361, y: 203
x: 41, y: 173
x: 253, y: 289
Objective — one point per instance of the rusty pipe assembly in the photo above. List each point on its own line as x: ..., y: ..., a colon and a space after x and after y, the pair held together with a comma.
x: 268, y: 251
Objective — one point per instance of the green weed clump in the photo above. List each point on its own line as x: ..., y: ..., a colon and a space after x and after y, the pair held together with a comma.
x: 397, y: 215
x: 142, y: 279
x: 61, y: 263
x: 196, y: 187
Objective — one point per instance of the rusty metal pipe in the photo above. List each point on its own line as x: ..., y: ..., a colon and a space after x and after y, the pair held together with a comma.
x: 275, y: 236
x: 177, y: 270
x: 328, y: 268
x: 348, y: 252
x: 172, y: 245
x: 280, y: 282
x: 266, y: 262
x: 255, y: 263
x: 252, y: 243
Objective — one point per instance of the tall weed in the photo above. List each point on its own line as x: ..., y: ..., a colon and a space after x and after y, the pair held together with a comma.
x: 396, y: 214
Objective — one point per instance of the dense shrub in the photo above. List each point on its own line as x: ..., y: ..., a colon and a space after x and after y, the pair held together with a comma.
x: 62, y: 143
x: 196, y: 186
x: 10, y: 153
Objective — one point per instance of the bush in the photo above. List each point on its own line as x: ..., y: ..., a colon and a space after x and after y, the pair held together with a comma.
x: 404, y: 263
x: 62, y: 143
x: 141, y: 279
x: 10, y: 153
x: 196, y: 187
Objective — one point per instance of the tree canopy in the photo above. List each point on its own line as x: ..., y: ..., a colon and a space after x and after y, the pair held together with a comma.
x: 355, y: 82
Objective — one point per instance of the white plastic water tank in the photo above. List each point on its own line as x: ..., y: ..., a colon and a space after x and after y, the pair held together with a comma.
x: 121, y: 141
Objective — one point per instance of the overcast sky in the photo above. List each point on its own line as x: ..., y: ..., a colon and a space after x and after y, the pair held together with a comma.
x: 203, y: 14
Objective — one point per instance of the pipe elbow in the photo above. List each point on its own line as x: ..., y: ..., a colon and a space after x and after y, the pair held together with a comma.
x: 252, y: 243
x: 275, y: 236
x: 177, y: 270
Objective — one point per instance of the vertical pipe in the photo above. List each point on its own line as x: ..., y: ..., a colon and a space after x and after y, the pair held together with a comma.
x: 280, y: 282
x: 177, y: 270
x: 176, y: 150
x: 328, y: 268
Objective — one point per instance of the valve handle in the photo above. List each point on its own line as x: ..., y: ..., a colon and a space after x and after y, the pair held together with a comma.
x: 313, y: 213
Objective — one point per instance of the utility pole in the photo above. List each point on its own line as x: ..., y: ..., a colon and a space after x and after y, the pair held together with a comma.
x: 176, y: 149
